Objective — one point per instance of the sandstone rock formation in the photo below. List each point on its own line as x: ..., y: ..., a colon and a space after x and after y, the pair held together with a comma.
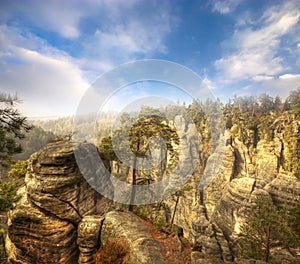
x: 43, y: 225
x: 211, y: 219
x: 125, y: 225
x: 62, y: 218
x: 88, y: 238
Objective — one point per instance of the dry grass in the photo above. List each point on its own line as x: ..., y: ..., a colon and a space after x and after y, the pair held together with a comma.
x: 115, y: 251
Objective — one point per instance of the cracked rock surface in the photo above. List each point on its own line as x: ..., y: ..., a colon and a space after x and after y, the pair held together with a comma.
x: 43, y: 225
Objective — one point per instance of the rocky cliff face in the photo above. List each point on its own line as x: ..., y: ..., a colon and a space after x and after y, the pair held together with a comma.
x: 43, y: 225
x: 60, y: 217
x: 211, y: 219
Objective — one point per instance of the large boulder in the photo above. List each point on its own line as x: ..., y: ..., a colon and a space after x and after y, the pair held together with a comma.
x: 43, y: 225
x: 120, y: 225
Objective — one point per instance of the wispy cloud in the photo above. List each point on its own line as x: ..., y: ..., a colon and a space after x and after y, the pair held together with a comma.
x: 46, y: 79
x: 225, y: 6
x: 262, y: 54
x: 259, y: 78
x: 129, y: 34
x: 256, y: 49
x: 290, y: 76
x: 61, y: 17
x: 100, y: 34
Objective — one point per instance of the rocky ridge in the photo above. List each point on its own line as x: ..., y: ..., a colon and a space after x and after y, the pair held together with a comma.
x: 58, y: 203
x: 216, y: 213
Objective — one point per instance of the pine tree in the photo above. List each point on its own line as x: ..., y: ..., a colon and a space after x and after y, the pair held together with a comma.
x: 267, y: 227
x: 12, y: 125
x: 139, y: 131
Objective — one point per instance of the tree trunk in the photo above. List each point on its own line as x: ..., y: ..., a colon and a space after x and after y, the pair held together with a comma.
x: 173, y: 217
x: 133, y: 191
x: 267, y: 253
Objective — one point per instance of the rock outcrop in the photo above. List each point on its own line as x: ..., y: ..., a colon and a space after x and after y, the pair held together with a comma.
x: 61, y: 218
x: 88, y: 238
x: 127, y: 226
x: 43, y: 225
x: 211, y: 218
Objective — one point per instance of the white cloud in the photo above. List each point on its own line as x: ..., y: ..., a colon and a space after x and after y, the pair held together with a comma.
x: 225, y: 6
x: 281, y: 86
x: 61, y: 17
x: 259, y: 78
x: 136, y: 34
x: 48, y: 82
x: 209, y: 83
x: 129, y: 26
x: 105, y: 33
x: 257, y: 48
x: 290, y: 76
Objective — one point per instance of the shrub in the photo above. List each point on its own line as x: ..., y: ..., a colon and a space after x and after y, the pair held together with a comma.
x: 160, y: 223
x: 142, y: 212
x: 8, y: 195
x: 2, y: 250
x: 114, y: 251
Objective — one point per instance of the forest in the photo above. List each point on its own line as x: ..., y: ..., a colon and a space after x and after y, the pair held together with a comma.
x: 249, y: 119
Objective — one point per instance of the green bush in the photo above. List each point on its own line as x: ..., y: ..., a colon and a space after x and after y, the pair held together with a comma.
x: 160, y: 223
x: 2, y: 250
x: 142, y: 212
x: 18, y: 170
x: 8, y: 195
x: 267, y: 227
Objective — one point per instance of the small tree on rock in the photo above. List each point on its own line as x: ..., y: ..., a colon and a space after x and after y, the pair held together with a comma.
x: 266, y: 227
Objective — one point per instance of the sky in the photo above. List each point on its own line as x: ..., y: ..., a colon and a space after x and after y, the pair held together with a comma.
x: 52, y: 51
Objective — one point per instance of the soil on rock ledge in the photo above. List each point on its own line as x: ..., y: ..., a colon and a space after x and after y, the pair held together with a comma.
x: 145, y: 243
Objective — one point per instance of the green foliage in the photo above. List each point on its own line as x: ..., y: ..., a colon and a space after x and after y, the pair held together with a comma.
x: 2, y: 253
x: 18, y: 170
x: 8, y: 147
x: 12, y: 126
x: 2, y: 239
x: 160, y: 223
x: 8, y: 195
x: 292, y: 147
x: 142, y: 212
x: 258, y: 232
x: 114, y: 251
x: 134, y: 138
x: 266, y: 227
x: 11, y: 120
x: 147, y: 127
x: 293, y: 102
x: 106, y: 149
x: 292, y: 226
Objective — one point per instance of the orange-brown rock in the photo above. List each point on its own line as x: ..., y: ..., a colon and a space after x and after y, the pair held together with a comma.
x: 42, y: 228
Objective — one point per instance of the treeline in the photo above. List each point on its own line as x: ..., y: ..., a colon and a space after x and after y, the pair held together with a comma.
x: 35, y: 139
x: 251, y: 119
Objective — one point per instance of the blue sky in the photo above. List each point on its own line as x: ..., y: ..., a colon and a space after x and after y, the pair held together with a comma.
x: 51, y: 51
